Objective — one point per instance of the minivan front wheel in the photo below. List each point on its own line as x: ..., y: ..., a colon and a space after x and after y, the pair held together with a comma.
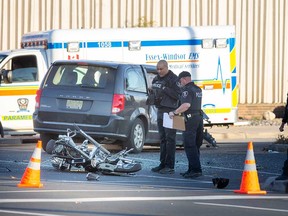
x: 137, y: 137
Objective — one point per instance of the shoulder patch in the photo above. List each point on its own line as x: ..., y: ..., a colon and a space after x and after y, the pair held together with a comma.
x: 184, y: 94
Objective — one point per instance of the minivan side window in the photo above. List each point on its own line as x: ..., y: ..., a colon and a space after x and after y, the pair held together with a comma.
x: 135, y: 80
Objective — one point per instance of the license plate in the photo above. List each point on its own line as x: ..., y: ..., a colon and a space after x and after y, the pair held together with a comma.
x: 74, y: 104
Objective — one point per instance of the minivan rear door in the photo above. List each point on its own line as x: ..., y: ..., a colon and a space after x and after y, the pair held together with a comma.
x: 72, y: 90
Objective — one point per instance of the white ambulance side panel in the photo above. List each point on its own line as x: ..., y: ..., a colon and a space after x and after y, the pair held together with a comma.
x: 17, y: 106
x: 17, y: 99
x: 213, y: 69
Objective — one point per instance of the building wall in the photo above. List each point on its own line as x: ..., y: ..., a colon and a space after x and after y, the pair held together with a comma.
x: 261, y: 30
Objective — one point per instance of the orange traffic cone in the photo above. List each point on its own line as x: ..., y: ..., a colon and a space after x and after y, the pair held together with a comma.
x: 31, y: 176
x: 250, y: 182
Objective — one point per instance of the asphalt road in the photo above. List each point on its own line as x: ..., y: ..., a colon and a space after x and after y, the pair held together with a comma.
x: 146, y: 193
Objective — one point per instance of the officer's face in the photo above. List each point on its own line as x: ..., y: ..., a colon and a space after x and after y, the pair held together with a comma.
x: 162, y: 70
x: 183, y: 81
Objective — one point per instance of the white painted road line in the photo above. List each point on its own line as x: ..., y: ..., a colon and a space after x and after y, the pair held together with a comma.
x: 239, y: 206
x: 134, y: 199
x: 27, y: 213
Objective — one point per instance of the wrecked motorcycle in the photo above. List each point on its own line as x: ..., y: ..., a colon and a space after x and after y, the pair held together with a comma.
x: 67, y: 155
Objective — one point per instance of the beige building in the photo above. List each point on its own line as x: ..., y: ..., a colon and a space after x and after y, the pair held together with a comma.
x: 261, y: 31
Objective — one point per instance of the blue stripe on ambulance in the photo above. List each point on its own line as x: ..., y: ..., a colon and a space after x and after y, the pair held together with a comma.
x: 232, y: 42
x: 168, y: 43
x: 54, y: 46
x: 95, y: 44
x: 234, y: 80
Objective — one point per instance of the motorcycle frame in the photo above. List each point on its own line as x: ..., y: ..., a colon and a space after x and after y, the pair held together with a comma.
x: 69, y: 142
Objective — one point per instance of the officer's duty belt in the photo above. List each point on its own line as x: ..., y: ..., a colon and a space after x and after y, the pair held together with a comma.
x: 190, y: 115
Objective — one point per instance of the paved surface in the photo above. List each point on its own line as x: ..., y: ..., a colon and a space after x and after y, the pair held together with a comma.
x: 240, y: 131
x: 245, y: 131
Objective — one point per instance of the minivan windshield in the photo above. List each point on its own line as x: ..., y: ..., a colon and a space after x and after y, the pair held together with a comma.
x: 87, y: 76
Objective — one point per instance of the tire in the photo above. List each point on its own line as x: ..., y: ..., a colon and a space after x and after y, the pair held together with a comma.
x: 137, y: 137
x: 128, y: 168
x: 1, y: 130
x: 50, y: 146
x: 45, y: 138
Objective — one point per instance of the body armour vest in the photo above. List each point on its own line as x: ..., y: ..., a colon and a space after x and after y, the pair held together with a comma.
x: 192, y: 94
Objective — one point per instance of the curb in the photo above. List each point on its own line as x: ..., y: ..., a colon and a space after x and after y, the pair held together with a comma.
x: 19, y: 139
x: 276, y: 185
x: 243, y: 135
x: 243, y: 131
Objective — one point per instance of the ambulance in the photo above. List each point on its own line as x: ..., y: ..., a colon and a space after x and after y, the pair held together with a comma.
x: 207, y: 52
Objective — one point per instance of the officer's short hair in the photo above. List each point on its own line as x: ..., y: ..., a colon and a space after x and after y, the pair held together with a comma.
x: 184, y: 74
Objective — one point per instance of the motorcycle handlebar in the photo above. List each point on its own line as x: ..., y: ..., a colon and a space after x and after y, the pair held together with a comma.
x: 76, y: 127
x: 94, y: 142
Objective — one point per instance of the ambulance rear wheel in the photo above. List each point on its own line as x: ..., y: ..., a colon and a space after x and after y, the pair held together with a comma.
x: 45, y: 138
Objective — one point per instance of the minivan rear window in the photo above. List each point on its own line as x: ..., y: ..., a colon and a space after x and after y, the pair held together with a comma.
x: 85, y: 76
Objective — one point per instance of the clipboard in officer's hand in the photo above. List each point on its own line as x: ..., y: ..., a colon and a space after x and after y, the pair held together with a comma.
x: 177, y: 122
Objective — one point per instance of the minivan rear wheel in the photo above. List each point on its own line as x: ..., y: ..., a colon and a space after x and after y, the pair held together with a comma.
x: 45, y: 138
x: 137, y: 137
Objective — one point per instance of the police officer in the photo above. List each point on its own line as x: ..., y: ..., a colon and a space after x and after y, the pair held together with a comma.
x: 191, y: 102
x: 165, y: 94
x: 285, y: 117
x: 284, y: 175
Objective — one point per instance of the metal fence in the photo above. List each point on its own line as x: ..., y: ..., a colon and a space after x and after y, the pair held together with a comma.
x: 261, y: 30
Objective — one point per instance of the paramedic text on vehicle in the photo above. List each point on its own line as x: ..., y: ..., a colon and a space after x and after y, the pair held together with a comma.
x: 165, y: 94
x: 191, y: 102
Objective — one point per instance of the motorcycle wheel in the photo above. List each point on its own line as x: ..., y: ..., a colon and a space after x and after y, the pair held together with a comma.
x: 50, y: 146
x: 128, y: 168
x: 45, y: 138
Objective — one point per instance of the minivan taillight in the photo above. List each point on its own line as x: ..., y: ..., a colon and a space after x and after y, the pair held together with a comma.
x: 118, y: 103
x: 37, y: 98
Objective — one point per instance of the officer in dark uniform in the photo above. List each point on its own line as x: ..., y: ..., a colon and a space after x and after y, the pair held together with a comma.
x: 285, y: 117
x: 284, y: 175
x: 165, y: 96
x: 191, y: 102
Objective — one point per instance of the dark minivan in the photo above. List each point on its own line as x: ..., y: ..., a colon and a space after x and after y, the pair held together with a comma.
x: 105, y: 99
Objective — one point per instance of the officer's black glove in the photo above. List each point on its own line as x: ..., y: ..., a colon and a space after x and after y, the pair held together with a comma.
x: 151, y: 100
